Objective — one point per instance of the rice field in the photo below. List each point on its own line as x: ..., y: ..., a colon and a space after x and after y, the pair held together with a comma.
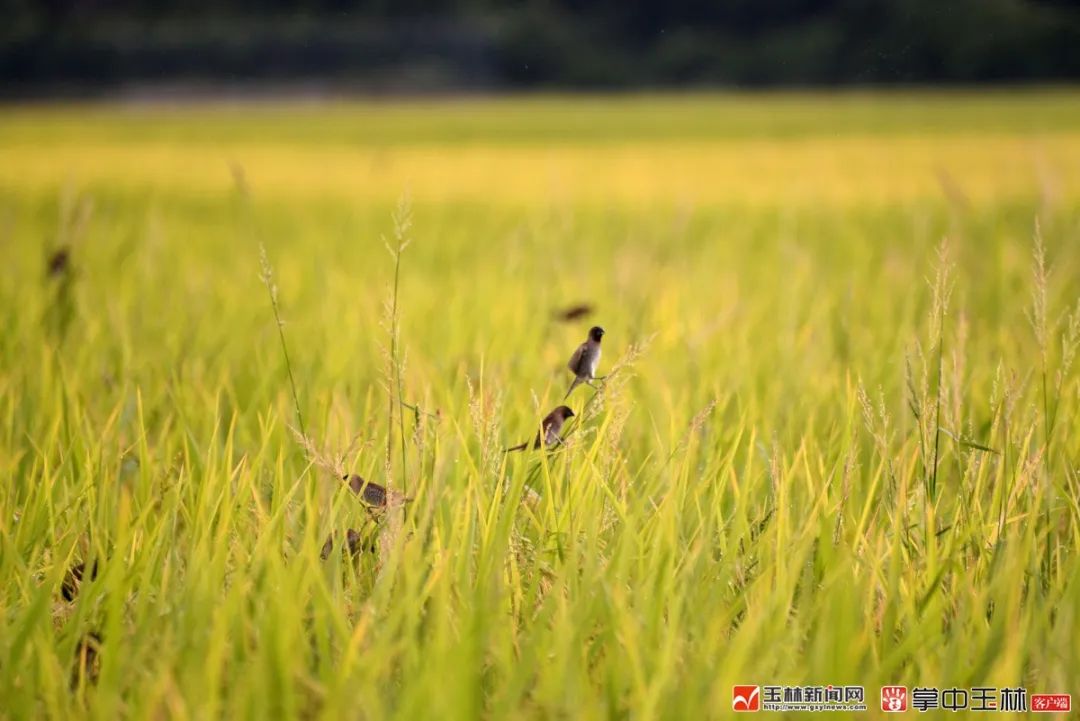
x: 837, y: 442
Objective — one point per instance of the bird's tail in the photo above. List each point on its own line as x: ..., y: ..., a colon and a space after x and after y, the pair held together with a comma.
x: 575, y: 384
x: 522, y: 447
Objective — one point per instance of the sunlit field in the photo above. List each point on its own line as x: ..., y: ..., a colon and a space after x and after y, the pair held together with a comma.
x: 837, y: 441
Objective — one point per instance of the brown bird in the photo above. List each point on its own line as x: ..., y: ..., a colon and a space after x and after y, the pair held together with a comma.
x: 87, y: 660
x: 73, y: 580
x: 574, y: 312
x: 373, y: 494
x: 356, y: 542
x: 58, y: 261
x: 550, y: 429
x: 585, y: 360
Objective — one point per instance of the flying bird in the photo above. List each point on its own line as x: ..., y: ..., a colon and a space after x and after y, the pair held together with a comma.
x: 550, y: 429
x: 585, y: 360
x: 59, y: 262
x: 574, y: 312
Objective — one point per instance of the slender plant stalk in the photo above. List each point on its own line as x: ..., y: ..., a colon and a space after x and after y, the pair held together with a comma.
x: 937, y: 412
x: 267, y: 276
x: 402, y: 221
x: 941, y: 302
x: 1039, y: 323
x: 915, y: 405
x: 397, y: 373
x: 1038, y: 319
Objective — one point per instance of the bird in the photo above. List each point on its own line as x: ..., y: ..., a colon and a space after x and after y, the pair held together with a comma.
x: 550, y: 429
x: 573, y: 312
x: 373, y: 494
x: 356, y: 542
x: 87, y: 660
x: 585, y: 359
x: 74, y: 578
x: 59, y: 262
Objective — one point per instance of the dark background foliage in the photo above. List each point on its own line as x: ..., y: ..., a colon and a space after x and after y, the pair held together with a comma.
x: 420, y: 45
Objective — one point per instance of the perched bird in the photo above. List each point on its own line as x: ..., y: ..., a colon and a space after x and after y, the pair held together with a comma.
x: 373, y: 494
x: 87, y: 660
x: 585, y: 359
x: 550, y: 429
x: 354, y: 540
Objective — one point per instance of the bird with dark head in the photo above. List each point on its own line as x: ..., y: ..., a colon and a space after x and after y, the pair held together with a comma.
x: 585, y: 360
x: 74, y: 578
x: 355, y: 541
x: 87, y: 660
x: 550, y: 433
x: 373, y: 494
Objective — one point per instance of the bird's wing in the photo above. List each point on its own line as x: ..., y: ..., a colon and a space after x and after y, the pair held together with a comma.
x: 548, y: 427
x: 541, y: 435
x: 549, y: 419
x: 594, y: 362
x: 575, y: 360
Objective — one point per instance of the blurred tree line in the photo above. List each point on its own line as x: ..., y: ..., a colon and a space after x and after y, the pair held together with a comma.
x: 476, y: 44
